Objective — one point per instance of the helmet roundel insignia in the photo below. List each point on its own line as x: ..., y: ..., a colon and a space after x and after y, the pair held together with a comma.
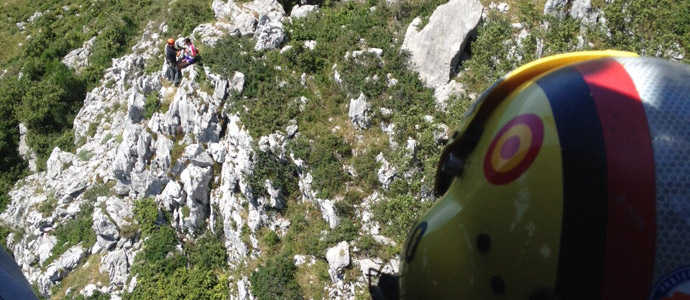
x: 513, y: 149
x: 673, y: 286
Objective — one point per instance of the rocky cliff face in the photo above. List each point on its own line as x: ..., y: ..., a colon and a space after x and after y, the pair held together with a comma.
x: 169, y: 156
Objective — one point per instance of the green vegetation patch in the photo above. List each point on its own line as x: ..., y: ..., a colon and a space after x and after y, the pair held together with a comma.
x: 281, y: 173
x: 276, y: 279
x: 73, y: 232
x: 163, y: 272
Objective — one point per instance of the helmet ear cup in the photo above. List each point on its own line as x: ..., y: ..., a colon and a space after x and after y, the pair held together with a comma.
x: 543, y: 294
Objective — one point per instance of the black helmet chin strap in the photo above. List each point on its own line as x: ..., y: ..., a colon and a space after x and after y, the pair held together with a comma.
x: 387, y: 288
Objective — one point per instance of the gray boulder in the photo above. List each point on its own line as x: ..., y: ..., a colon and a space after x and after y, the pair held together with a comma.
x: 106, y: 231
x: 195, y: 182
x: 302, y: 11
x: 116, y: 264
x: 57, y: 162
x: 444, y: 92
x: 24, y: 150
x: 119, y: 210
x: 386, y: 173
x: 172, y: 196
x: 78, y: 58
x: 211, y: 33
x: 582, y: 10
x: 291, y: 129
x: 220, y: 89
x: 436, y: 48
x: 202, y: 160
x: 218, y: 152
x: 237, y: 82
x: 328, y: 213
x: 269, y: 32
x: 66, y: 263
x: 555, y: 8
x: 135, y: 107
x: 45, y: 247
x: 338, y: 256
x: 359, y: 112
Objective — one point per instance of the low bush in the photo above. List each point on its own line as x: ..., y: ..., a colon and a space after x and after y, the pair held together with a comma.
x: 163, y: 272
x: 399, y: 213
x: 281, y: 173
x: 182, y: 283
x: 146, y: 214
x: 208, y: 252
x: 276, y: 279
x: 152, y: 105
x: 4, y: 232
x: 185, y: 15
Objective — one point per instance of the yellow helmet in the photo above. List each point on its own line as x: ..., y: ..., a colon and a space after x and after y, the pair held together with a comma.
x: 568, y: 179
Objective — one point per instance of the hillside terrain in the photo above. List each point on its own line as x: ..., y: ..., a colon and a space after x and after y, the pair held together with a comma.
x: 290, y: 160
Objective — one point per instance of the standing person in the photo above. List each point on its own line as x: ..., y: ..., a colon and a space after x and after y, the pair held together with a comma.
x: 190, y: 54
x: 174, y: 74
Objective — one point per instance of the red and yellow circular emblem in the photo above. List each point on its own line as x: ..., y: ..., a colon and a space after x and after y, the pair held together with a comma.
x: 513, y: 149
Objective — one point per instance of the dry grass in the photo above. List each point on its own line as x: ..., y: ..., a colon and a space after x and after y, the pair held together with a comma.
x: 84, y: 275
x: 514, y: 6
x: 312, y: 279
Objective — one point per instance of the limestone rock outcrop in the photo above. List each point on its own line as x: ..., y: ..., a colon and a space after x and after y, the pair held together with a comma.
x: 435, y: 48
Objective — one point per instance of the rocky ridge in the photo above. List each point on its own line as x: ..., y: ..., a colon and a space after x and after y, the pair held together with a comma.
x: 136, y: 157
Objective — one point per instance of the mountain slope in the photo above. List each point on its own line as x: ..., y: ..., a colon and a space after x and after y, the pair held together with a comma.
x: 286, y: 164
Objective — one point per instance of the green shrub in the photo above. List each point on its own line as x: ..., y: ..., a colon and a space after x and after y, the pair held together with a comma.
x: 177, y: 152
x: 165, y: 273
x: 281, y: 173
x: 85, y: 155
x: 146, y: 214
x: 269, y: 237
x: 654, y: 28
x: 112, y: 42
x: 107, y: 138
x: 4, y: 232
x: 208, y: 252
x: 264, y: 95
x: 160, y: 242
x: 96, y: 296
x: 185, y: 15
x: 152, y: 105
x: 276, y: 279
x: 326, y: 161
x: 398, y: 214
x: 489, y: 48
x: 346, y: 231
x: 183, y: 283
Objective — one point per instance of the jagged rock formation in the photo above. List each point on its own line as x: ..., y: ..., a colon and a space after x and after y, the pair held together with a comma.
x: 24, y: 150
x: 79, y: 58
x: 173, y: 156
x: 359, y: 112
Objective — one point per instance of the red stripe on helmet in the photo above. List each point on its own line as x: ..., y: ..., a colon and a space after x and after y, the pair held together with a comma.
x: 631, y: 225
